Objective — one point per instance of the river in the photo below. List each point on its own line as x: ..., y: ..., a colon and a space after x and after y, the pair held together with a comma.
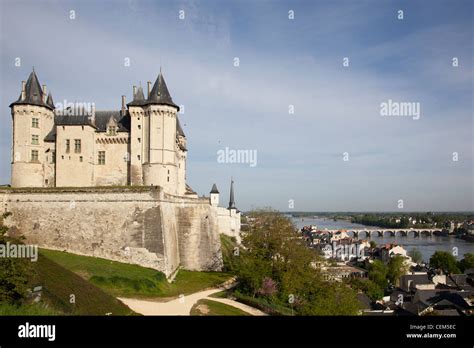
x: 425, y: 244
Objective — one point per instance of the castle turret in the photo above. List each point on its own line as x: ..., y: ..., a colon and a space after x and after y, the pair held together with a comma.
x: 160, y: 167
x: 181, y: 156
x: 136, y: 109
x: 214, y: 199
x: 33, y: 119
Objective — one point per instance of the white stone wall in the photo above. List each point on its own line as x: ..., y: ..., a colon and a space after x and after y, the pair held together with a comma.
x: 229, y: 222
x: 70, y: 171
x: 134, y: 225
x: 115, y: 170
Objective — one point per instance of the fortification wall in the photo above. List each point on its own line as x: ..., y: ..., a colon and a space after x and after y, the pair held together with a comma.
x: 138, y: 225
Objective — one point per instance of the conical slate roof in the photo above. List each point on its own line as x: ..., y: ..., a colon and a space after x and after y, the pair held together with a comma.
x: 214, y: 189
x: 179, y: 129
x: 34, y: 93
x: 49, y: 101
x: 138, y: 98
x: 159, y: 93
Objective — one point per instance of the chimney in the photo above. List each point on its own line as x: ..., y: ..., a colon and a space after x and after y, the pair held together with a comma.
x: 124, y: 107
x: 134, y: 91
x: 93, y: 113
x: 149, y: 88
x: 23, y: 90
x: 45, y: 95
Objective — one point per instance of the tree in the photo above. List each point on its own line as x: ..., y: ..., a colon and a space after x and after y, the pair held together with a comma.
x: 467, y: 262
x: 367, y: 286
x: 416, y: 255
x: 373, y: 244
x: 378, y: 273
x: 14, y: 272
x: 397, y: 266
x: 274, y: 260
x: 444, y: 261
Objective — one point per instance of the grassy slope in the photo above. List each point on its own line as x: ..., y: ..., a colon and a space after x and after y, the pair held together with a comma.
x: 59, y: 283
x: 216, y: 308
x: 31, y: 309
x: 121, y: 279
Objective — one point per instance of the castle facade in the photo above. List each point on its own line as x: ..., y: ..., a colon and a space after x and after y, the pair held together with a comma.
x: 143, y: 143
x: 112, y: 184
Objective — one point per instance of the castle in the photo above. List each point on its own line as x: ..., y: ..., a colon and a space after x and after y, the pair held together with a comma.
x: 133, y: 160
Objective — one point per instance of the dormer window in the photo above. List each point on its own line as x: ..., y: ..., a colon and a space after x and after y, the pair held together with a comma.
x: 112, y: 130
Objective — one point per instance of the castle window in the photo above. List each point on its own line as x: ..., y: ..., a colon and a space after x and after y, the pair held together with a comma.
x: 138, y: 156
x: 101, y: 157
x: 77, y: 145
x: 68, y: 145
x: 139, y: 126
x: 80, y: 159
x: 112, y: 130
x: 53, y: 157
x: 168, y: 179
x: 34, y: 156
x: 35, y: 122
x: 139, y: 140
x: 35, y: 139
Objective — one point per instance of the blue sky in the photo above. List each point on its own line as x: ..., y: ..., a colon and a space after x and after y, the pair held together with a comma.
x: 282, y: 62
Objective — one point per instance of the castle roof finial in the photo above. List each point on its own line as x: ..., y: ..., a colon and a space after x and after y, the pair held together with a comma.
x: 231, y: 198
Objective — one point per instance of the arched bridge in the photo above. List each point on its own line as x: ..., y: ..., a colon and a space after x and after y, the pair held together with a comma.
x: 416, y: 232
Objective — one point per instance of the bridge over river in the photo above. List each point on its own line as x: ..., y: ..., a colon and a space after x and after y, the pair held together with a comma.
x: 390, y: 231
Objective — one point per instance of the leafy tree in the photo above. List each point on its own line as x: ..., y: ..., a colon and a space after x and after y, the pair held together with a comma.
x: 467, y: 262
x: 370, y: 288
x: 373, y: 244
x: 14, y: 272
x: 416, y: 255
x: 378, y: 273
x: 271, y: 250
x: 397, y: 267
x: 444, y: 261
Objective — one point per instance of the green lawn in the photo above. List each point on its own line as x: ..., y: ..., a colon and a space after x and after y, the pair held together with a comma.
x: 126, y: 280
x: 207, y: 307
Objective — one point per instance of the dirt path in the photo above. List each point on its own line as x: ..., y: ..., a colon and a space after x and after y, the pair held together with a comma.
x: 183, y: 304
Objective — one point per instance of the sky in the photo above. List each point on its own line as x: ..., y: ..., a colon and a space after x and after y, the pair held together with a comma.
x: 268, y: 77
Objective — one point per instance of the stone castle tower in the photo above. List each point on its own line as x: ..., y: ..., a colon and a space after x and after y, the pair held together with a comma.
x: 143, y: 143
x: 33, y: 118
